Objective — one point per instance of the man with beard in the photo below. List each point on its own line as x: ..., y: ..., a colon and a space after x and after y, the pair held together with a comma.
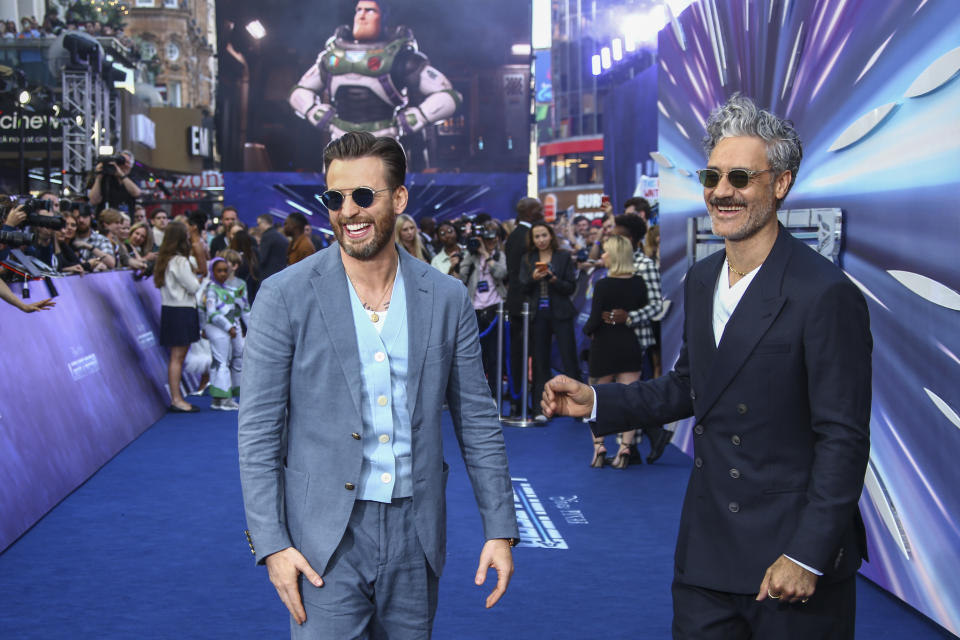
x: 221, y: 241
x: 775, y: 366
x: 349, y: 357
x: 89, y: 244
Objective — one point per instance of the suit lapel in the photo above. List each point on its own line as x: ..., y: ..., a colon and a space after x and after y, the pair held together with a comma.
x: 419, y: 320
x: 333, y: 299
x: 756, y: 311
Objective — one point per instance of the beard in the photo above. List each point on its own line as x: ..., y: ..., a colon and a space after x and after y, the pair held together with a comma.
x: 383, y: 233
x: 758, y: 214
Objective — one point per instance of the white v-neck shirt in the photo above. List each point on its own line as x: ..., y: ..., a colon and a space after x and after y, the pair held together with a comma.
x: 726, y: 298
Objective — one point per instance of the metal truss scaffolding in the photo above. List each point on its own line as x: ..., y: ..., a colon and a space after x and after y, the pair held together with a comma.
x: 86, y: 95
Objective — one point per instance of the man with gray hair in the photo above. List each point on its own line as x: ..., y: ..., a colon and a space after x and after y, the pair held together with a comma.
x: 775, y: 366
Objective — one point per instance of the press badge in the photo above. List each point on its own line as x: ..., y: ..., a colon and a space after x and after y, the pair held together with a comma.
x: 483, y: 286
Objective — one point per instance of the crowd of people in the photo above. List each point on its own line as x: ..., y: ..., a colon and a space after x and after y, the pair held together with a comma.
x: 529, y: 260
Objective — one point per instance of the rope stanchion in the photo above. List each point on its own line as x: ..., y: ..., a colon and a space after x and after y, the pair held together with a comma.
x: 499, y: 378
x: 523, y: 420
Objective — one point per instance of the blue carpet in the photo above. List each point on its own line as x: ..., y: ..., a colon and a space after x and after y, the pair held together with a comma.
x: 152, y: 546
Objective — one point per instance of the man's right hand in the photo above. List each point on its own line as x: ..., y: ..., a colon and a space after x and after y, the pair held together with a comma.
x: 563, y: 396
x: 284, y: 568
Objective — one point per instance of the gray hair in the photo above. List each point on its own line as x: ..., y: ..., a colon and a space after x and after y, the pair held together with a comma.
x: 741, y: 117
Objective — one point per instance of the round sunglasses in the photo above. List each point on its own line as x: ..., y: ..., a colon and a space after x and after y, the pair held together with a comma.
x: 738, y: 178
x: 363, y: 196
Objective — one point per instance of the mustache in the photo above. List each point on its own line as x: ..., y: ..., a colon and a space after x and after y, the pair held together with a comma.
x: 727, y: 202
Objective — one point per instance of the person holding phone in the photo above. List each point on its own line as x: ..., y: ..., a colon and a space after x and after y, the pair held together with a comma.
x: 548, y: 279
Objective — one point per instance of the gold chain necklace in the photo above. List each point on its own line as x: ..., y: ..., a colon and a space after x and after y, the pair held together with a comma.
x: 739, y: 273
x: 374, y: 317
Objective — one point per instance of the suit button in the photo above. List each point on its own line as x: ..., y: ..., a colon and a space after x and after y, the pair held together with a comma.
x: 384, y: 439
x: 386, y: 478
x: 734, y: 507
x: 349, y: 486
x: 355, y: 436
x: 382, y: 401
x: 741, y: 408
x: 698, y: 462
x: 698, y: 429
x: 734, y: 473
x: 735, y: 440
x: 379, y: 356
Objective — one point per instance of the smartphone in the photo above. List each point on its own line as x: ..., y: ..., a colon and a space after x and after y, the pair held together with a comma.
x: 541, y: 266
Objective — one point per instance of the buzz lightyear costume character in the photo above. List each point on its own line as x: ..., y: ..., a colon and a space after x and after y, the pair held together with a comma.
x: 373, y: 79
x: 224, y: 306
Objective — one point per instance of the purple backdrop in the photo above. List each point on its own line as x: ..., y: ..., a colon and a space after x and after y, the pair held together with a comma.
x: 874, y: 92
x: 81, y: 382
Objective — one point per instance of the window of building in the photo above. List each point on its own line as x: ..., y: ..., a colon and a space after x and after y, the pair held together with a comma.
x: 171, y: 4
x: 146, y: 3
x: 172, y: 52
x: 174, y: 94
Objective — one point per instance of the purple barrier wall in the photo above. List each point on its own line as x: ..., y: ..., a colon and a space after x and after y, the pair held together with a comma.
x: 80, y: 383
x: 874, y: 92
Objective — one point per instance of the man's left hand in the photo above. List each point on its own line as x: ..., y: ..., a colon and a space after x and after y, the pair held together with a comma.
x: 496, y: 554
x: 787, y: 580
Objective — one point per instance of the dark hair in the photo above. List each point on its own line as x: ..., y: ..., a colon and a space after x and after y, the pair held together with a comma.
x: 153, y: 214
x: 298, y: 219
x: 265, y: 217
x: 198, y: 219
x: 242, y: 242
x: 532, y: 248
x: 634, y: 224
x: 176, y: 242
x: 580, y: 219
x: 529, y: 210
x: 640, y: 204
x: 361, y: 144
x: 449, y: 223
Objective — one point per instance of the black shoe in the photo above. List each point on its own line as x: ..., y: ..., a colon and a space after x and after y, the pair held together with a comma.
x: 658, y: 445
x: 635, y: 457
x: 175, y: 409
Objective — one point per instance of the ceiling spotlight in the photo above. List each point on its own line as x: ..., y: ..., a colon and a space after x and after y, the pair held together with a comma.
x: 605, y: 57
x: 595, y: 64
x: 56, y: 110
x: 24, y: 98
x: 521, y: 50
x: 79, y: 119
x: 256, y: 29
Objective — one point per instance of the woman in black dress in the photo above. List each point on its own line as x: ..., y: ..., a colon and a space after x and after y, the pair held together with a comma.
x: 615, y: 354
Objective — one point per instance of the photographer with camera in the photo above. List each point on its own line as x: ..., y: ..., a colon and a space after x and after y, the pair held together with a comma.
x: 111, y: 185
x: 484, y: 271
x: 91, y: 247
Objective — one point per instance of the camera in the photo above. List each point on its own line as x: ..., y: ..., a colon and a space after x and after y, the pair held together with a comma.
x: 479, y: 234
x: 473, y: 244
x: 104, y: 161
x: 17, y: 238
x: 81, y: 207
x: 32, y: 205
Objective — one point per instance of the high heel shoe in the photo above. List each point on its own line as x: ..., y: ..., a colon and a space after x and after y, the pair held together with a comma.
x: 599, y: 456
x: 622, y: 459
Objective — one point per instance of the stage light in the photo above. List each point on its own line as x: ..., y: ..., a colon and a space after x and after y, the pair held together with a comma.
x: 24, y: 98
x: 617, y: 49
x: 78, y: 119
x: 595, y: 64
x: 522, y: 50
x: 256, y: 29
x: 605, y: 57
x: 629, y: 43
x: 57, y: 109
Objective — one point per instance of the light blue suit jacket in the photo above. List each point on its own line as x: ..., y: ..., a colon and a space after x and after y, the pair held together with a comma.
x: 300, y: 452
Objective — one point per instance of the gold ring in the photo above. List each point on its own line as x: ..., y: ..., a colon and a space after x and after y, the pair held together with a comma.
x: 772, y: 596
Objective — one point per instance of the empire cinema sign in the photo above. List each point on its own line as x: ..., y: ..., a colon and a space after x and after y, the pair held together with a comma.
x: 35, y: 131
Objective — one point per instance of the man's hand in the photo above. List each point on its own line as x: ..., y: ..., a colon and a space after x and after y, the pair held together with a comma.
x: 496, y: 553
x: 16, y: 217
x: 284, y: 568
x: 565, y: 396
x: 788, y: 580
x: 233, y: 332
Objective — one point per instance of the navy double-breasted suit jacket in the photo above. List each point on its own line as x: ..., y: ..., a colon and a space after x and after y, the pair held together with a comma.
x: 782, y: 407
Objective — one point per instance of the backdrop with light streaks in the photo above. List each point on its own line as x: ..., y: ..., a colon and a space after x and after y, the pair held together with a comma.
x: 874, y: 91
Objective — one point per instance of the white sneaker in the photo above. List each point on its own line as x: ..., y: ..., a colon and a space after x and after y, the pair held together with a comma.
x: 229, y: 404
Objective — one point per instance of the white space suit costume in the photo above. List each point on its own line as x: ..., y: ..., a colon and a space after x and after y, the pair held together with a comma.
x: 224, y: 306
x: 387, y: 87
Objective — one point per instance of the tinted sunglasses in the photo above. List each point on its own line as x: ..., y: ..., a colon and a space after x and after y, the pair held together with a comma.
x: 738, y: 178
x: 363, y: 196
